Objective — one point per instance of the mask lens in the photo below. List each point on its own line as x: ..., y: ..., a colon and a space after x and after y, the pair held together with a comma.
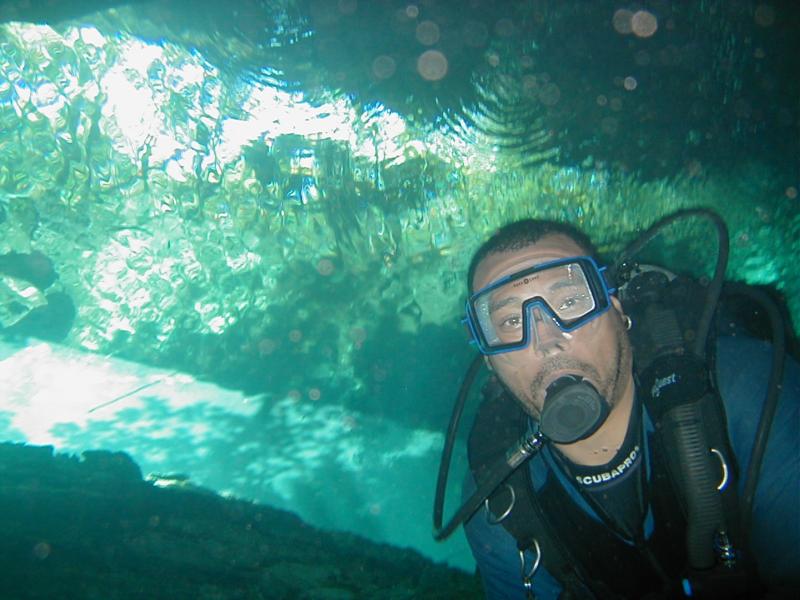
x: 568, y: 292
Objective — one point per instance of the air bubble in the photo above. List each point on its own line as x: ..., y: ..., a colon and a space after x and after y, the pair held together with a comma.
x: 267, y: 346
x: 427, y: 33
x: 622, y: 21
x: 325, y: 267
x: 42, y: 550
x: 550, y: 94
x: 644, y: 24
x: 432, y: 65
x: 764, y: 15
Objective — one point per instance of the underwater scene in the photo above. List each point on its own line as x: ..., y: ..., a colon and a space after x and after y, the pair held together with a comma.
x: 234, y: 242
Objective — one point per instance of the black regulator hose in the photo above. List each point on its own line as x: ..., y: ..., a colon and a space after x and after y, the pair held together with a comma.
x: 526, y: 447
x: 770, y: 403
x: 682, y: 426
x: 447, y: 451
x: 715, y: 286
x: 677, y: 383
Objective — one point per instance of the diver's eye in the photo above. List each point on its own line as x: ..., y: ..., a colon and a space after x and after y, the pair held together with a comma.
x: 568, y: 302
x: 511, y: 322
x: 574, y: 303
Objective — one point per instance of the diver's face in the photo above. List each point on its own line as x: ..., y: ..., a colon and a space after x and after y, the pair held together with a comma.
x: 600, y: 351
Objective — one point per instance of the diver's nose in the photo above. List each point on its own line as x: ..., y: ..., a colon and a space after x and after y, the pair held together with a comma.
x: 546, y: 335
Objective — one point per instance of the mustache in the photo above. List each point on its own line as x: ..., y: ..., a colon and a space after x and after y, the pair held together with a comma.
x: 563, y: 363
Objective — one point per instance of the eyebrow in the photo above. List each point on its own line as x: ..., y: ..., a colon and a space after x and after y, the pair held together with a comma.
x: 567, y: 282
x: 561, y: 283
x: 493, y: 306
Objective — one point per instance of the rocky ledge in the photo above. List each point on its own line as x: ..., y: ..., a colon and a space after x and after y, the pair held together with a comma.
x: 91, y: 527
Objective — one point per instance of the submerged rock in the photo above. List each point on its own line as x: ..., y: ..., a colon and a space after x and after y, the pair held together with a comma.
x: 90, y: 527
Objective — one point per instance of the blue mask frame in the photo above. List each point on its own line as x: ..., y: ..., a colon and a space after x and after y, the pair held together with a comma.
x: 599, y: 287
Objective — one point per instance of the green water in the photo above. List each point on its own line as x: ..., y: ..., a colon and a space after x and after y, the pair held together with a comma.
x: 282, y: 199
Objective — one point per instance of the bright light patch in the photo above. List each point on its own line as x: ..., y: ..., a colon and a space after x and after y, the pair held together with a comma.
x: 140, y: 86
x: 48, y: 100
x: 135, y: 113
x: 91, y: 36
x: 32, y: 34
x: 139, y: 56
x: 273, y: 113
x: 54, y: 393
x: 181, y: 166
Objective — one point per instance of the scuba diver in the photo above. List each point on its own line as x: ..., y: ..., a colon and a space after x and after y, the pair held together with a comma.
x: 621, y: 449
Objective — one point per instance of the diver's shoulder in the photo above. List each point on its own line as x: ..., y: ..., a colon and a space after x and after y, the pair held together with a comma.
x: 743, y: 364
x: 744, y: 349
x: 742, y: 343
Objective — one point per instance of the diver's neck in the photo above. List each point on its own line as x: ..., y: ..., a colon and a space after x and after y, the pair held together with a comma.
x: 600, y: 447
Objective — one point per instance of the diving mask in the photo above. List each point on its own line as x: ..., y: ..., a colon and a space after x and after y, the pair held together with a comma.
x: 568, y: 293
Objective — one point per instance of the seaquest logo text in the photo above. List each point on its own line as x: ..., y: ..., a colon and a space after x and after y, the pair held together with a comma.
x: 660, y: 384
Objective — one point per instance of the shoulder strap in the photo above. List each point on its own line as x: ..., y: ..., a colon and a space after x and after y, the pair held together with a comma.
x: 499, y: 423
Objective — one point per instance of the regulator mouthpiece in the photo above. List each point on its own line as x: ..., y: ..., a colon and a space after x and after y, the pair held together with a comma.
x: 573, y: 410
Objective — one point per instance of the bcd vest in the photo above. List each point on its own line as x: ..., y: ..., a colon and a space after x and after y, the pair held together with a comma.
x: 585, y: 556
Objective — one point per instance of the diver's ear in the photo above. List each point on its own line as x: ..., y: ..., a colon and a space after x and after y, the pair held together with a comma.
x: 620, y: 312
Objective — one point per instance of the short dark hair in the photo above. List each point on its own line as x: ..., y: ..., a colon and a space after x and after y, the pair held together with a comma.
x: 527, y: 232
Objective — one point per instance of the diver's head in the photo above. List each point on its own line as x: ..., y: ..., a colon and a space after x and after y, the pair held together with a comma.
x: 540, y: 310
x: 524, y: 233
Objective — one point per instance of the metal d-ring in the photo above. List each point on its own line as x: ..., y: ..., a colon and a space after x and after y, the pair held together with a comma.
x: 527, y: 577
x: 724, y: 465
x: 490, y: 517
